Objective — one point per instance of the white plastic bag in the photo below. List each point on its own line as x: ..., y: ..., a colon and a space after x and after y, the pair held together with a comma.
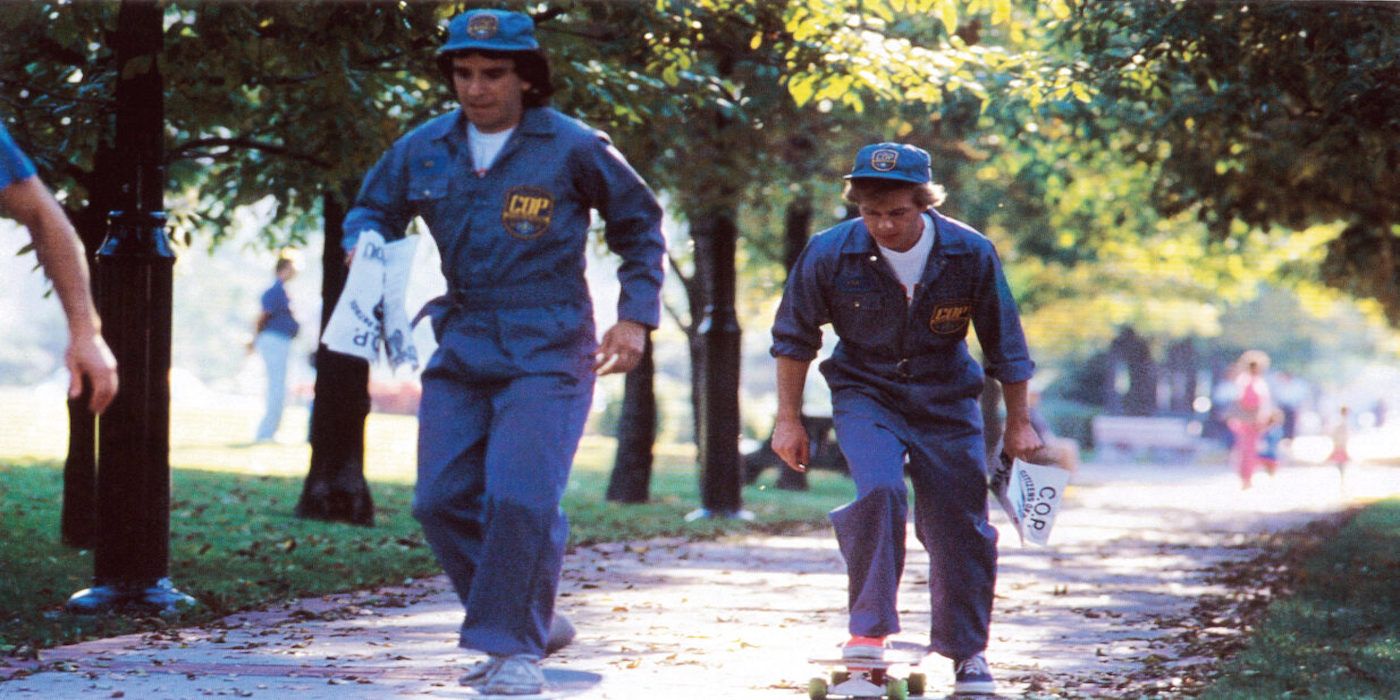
x: 369, y: 315
x: 1030, y: 495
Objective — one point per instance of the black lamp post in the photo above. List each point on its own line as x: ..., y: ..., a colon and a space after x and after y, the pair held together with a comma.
x: 721, y: 478
x: 134, y: 273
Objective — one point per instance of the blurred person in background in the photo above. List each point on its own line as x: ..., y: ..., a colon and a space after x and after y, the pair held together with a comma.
x: 272, y: 339
x: 1250, y: 414
x: 1341, y: 435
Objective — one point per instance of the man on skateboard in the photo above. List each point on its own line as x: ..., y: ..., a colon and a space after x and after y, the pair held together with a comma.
x: 505, y: 185
x: 901, y: 285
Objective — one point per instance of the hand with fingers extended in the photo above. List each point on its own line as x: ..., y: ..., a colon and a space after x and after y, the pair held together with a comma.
x: 621, y: 349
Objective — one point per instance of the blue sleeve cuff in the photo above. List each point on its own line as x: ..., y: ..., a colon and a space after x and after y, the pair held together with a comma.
x: 790, y: 350
x: 1013, y: 372
x: 648, y: 315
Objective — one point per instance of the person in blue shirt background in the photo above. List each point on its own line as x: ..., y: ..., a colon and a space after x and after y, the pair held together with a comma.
x: 273, y: 333
x: 901, y: 285
x: 24, y: 198
x: 505, y: 185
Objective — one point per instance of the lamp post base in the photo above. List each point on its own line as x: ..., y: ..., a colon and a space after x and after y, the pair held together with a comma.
x: 160, y: 597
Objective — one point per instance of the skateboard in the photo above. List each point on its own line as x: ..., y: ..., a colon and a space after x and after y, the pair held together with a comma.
x: 871, y: 678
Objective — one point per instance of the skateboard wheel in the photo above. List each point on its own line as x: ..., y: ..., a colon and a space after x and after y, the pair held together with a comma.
x: 839, y: 677
x: 895, y: 689
x: 917, y: 684
x: 816, y: 689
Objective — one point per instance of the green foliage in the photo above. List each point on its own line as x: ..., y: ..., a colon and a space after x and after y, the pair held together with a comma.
x: 1266, y: 114
x: 289, y: 99
x: 1051, y: 124
x: 57, y: 88
x: 1338, y: 634
x: 262, y: 98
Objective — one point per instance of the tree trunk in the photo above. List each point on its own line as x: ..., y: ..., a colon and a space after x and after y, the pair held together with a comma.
x: 1132, y: 352
x: 78, y: 519
x: 1181, y: 367
x: 630, y: 481
x: 335, y: 487
x: 716, y: 236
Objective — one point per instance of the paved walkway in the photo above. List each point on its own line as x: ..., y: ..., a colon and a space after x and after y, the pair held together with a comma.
x: 1105, y: 611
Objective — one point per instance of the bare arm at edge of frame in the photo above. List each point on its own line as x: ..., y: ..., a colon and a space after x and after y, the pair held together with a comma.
x: 60, y: 253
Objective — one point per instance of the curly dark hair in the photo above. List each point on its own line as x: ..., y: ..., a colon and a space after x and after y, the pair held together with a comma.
x: 531, y: 66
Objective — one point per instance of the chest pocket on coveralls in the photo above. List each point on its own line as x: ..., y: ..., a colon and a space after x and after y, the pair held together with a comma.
x: 860, y: 315
x: 427, y: 186
x: 427, y: 175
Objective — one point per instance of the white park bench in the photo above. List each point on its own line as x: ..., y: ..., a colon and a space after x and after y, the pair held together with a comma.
x: 1157, y: 436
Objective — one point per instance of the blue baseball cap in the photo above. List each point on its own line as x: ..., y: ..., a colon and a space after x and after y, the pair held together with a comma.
x: 490, y: 30
x: 893, y: 161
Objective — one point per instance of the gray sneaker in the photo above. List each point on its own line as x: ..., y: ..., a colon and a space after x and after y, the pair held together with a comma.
x: 476, y: 673
x: 514, y: 675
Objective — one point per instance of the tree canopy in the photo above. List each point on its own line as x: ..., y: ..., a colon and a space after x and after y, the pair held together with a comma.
x: 1051, y: 121
x: 1261, y: 115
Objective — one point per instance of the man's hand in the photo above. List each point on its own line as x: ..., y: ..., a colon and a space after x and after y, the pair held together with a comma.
x: 621, y: 348
x: 791, y: 443
x: 1021, y: 441
x: 89, y: 357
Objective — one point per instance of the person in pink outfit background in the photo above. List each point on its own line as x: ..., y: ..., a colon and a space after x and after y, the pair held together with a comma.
x: 1249, y: 416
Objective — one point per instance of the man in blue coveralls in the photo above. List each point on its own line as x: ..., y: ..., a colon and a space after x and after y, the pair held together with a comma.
x: 505, y: 185
x: 24, y: 197
x: 901, y: 285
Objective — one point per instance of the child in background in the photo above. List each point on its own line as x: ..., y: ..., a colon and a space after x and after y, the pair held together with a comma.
x: 1269, y: 443
x: 1340, y: 434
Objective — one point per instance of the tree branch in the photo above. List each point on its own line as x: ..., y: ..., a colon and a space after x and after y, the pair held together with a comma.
x: 188, y: 150
x: 676, y: 316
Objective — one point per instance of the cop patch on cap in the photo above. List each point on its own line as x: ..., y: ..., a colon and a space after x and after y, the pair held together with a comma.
x: 951, y: 317
x: 527, y: 211
x: 884, y: 159
x: 483, y: 26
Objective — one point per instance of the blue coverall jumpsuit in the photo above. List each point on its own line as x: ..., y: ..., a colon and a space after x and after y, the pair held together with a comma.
x: 903, y: 383
x: 506, y: 393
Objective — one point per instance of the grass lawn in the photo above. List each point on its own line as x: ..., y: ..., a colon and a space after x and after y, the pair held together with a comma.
x: 235, y: 543
x: 1337, y: 635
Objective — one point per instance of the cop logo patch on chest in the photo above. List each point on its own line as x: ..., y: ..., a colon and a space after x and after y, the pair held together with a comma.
x: 884, y: 159
x: 950, y: 317
x: 482, y: 27
x: 527, y: 211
